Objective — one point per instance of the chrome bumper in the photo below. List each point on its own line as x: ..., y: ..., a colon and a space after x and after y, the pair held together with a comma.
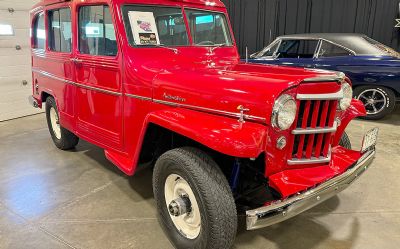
x: 33, y: 102
x: 283, y: 210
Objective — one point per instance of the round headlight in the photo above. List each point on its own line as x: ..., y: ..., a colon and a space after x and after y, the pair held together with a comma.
x: 347, y: 96
x: 284, y: 112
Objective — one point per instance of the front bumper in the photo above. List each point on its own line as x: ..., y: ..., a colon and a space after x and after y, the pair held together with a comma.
x: 282, y: 210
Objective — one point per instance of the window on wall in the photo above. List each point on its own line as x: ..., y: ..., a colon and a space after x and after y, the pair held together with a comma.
x: 331, y: 50
x: 60, y: 34
x: 39, y: 32
x: 6, y: 29
x: 96, y: 31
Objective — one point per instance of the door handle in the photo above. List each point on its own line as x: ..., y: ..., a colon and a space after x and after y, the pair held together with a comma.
x: 76, y: 60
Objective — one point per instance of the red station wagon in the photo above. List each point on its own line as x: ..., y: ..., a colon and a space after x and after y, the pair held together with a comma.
x: 161, y: 83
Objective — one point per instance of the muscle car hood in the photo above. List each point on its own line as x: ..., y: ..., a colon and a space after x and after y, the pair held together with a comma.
x: 223, y: 89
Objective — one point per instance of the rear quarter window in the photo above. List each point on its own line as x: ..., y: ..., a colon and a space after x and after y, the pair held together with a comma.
x: 39, y: 32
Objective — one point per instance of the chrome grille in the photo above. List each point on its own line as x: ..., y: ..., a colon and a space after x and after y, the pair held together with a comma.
x: 314, y: 128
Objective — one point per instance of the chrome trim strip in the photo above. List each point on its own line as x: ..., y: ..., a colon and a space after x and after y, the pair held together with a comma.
x: 282, y: 210
x: 315, y: 130
x: 76, y: 84
x: 339, y: 77
x: 204, y: 109
x: 138, y: 97
x: 312, y: 160
x: 322, y: 96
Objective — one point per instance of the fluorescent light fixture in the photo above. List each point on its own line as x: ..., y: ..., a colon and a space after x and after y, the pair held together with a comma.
x: 6, y: 29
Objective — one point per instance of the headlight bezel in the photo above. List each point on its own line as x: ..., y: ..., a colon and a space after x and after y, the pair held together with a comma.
x: 345, y: 102
x: 279, y: 106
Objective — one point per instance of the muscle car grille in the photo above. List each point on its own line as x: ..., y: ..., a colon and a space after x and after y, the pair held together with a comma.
x: 314, y: 128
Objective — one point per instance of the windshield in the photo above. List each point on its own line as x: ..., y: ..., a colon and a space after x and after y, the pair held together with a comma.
x: 208, y: 28
x: 152, y: 26
x: 165, y: 26
x: 387, y: 50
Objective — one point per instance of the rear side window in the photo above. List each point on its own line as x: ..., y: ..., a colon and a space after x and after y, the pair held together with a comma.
x: 96, y: 31
x: 60, y: 33
x: 297, y: 48
x: 331, y: 50
x: 39, y: 32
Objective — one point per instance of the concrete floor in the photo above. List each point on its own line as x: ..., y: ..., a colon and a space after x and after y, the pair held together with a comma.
x: 56, y: 199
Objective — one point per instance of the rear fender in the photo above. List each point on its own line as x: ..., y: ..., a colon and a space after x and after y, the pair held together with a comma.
x: 225, y: 135
x: 355, y: 110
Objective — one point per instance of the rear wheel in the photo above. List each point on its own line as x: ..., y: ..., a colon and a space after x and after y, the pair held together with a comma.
x: 62, y: 138
x: 378, y: 101
x: 195, y: 204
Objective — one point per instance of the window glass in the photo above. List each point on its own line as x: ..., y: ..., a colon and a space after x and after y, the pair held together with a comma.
x: 6, y: 29
x: 169, y: 30
x: 331, y: 50
x: 297, y: 48
x: 39, y: 33
x: 208, y: 28
x: 60, y: 34
x: 96, y: 31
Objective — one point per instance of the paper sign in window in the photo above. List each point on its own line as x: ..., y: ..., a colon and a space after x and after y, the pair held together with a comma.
x: 144, y: 28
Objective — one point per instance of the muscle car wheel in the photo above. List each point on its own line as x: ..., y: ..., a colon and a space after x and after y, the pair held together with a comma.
x: 194, y: 201
x: 378, y: 101
x: 62, y: 138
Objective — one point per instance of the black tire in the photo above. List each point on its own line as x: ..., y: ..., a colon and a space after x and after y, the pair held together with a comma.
x: 213, y: 195
x: 345, y: 141
x: 68, y: 140
x: 383, y: 92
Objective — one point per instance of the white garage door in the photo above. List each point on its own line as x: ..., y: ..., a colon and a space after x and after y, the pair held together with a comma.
x: 15, y: 71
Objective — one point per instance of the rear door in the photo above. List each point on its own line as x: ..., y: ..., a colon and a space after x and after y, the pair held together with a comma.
x: 98, y: 77
x: 15, y: 59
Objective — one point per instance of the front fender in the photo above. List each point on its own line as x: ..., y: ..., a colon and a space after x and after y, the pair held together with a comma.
x: 225, y: 135
x: 356, y: 109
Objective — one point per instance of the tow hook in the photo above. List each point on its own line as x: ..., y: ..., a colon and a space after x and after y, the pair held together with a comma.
x: 180, y: 206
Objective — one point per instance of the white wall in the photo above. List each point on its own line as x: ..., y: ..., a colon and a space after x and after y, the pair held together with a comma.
x: 15, y: 64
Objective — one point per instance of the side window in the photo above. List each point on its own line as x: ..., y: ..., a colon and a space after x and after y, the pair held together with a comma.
x: 297, y: 49
x: 270, y: 51
x: 331, y: 50
x: 39, y: 32
x: 60, y: 33
x: 96, y: 31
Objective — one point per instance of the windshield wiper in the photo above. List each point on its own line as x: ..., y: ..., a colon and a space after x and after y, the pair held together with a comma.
x: 217, y: 46
x: 175, y: 50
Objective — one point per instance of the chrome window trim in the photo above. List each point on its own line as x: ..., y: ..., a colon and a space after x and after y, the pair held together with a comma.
x: 335, y: 44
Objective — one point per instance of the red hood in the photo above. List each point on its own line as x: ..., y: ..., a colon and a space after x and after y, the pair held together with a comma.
x: 224, y: 88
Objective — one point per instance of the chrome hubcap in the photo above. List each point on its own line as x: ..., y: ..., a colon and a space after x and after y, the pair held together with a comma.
x: 182, y: 206
x: 55, y: 123
x: 374, y: 100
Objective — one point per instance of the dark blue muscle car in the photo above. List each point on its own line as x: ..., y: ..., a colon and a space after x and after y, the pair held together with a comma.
x: 373, y: 67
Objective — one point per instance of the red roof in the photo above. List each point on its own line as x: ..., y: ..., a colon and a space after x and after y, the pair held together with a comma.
x: 216, y: 3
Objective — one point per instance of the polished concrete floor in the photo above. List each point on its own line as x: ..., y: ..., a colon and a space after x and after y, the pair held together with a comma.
x: 77, y: 199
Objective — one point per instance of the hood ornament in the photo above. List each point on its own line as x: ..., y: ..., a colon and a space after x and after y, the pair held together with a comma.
x: 242, y: 116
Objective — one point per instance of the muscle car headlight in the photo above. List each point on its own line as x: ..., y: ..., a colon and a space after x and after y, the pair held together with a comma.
x: 284, y: 112
x: 347, y: 96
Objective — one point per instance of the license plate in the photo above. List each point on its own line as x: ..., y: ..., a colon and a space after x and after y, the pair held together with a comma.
x: 370, y: 140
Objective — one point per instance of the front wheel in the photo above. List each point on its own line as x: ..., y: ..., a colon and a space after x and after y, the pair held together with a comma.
x: 195, y: 204
x: 378, y: 101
